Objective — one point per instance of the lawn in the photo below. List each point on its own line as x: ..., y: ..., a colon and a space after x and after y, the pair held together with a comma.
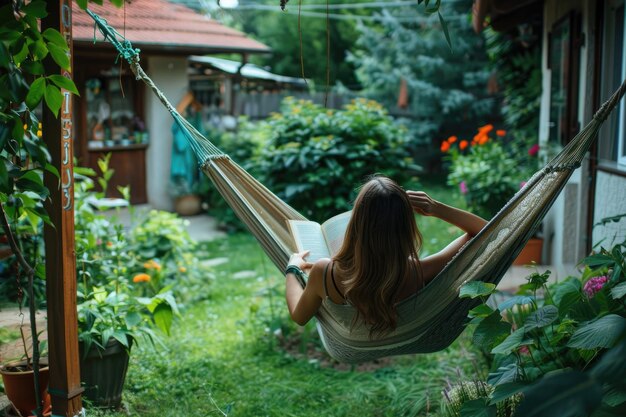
x: 236, y: 353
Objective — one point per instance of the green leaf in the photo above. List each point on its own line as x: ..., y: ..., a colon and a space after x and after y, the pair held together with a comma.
x: 133, y: 319
x: 477, y: 408
x: 512, y: 342
x: 54, y: 36
x: 121, y: 337
x: 516, y: 300
x: 482, y: 310
x: 601, y: 333
x: 33, y: 67
x: 4, y: 178
x: 82, y: 3
x: 612, y: 367
x: 117, y: 3
x: 36, y: 92
x: 53, y: 98
x: 573, y: 394
x: 38, y: 49
x: 476, y: 289
x: 618, y: 291
x: 36, y: 8
x: 614, y: 397
x: 542, y: 317
x: 491, y: 330
x: 163, y: 317
x: 64, y: 82
x: 444, y: 26
x: 5, y: 58
x: 504, y: 391
x: 59, y: 55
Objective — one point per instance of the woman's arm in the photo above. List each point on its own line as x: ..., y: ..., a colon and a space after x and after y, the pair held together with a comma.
x: 470, y: 223
x: 303, y: 303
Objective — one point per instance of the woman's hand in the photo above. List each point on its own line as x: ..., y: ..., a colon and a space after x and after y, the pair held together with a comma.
x: 297, y: 259
x: 422, y: 203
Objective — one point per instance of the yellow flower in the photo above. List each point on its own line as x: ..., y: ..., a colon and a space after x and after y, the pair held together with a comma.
x: 182, y: 269
x: 39, y: 133
x: 152, y: 264
x: 141, y: 278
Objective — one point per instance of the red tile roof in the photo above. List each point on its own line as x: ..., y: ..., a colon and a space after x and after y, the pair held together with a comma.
x: 161, y: 25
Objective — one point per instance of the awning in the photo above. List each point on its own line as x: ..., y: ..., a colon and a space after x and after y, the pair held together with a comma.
x: 247, y: 70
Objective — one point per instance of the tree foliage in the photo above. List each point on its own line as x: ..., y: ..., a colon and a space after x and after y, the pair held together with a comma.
x: 447, y: 84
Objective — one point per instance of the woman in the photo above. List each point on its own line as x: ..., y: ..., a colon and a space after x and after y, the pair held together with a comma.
x: 378, y: 264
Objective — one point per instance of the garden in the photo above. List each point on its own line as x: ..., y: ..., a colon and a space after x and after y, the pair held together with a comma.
x: 172, y: 326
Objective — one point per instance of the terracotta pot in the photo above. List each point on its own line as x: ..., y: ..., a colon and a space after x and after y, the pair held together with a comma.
x: 530, y: 253
x: 19, y: 387
x: 103, y: 372
x: 188, y: 205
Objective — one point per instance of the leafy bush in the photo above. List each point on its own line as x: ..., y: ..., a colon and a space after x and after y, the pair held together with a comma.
x: 489, y: 171
x: 564, y: 351
x: 316, y: 157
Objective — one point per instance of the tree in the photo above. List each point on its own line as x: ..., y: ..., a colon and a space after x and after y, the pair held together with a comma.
x: 446, y: 84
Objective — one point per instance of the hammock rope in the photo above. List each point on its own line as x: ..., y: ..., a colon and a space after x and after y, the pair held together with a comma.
x: 431, y: 319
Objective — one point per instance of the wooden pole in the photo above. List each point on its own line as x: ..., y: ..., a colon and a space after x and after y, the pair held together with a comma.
x: 64, y: 385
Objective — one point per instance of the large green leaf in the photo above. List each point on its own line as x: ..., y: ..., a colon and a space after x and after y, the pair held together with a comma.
x: 542, y: 317
x: 512, y: 342
x: 491, y: 330
x: 163, y: 317
x: 618, y: 291
x: 601, y: 333
x: 36, y: 92
x: 564, y: 394
x: 36, y: 8
x: 477, y: 408
x: 516, y: 300
x: 64, y: 82
x: 612, y: 366
x: 59, y: 55
x: 476, y: 289
x: 55, y: 37
x: 53, y: 98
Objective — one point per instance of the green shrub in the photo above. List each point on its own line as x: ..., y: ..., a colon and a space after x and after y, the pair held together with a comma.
x: 316, y: 157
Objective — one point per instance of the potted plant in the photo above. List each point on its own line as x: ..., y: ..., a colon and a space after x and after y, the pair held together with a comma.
x: 116, y: 307
x: 488, y: 170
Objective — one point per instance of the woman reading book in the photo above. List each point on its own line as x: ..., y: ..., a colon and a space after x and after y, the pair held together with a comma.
x: 377, y: 265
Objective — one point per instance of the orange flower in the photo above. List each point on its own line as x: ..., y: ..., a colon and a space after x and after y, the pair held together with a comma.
x: 109, y: 244
x: 152, y: 264
x: 483, y: 139
x: 141, y: 278
x: 445, y: 146
x: 486, y: 129
x: 463, y: 144
x: 452, y: 139
x: 501, y: 132
x: 182, y: 269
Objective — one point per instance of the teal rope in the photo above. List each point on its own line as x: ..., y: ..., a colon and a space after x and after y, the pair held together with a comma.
x: 202, y: 147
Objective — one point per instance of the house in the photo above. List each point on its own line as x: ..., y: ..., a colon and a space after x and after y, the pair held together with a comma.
x: 583, y: 62
x: 117, y: 114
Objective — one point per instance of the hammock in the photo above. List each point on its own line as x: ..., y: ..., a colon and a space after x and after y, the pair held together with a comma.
x: 431, y: 319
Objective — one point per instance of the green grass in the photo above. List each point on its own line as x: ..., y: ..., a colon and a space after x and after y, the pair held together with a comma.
x: 226, y: 355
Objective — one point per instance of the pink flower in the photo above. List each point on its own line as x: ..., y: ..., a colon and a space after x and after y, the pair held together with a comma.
x: 594, y: 285
x: 522, y: 184
x: 533, y: 150
x: 463, y: 187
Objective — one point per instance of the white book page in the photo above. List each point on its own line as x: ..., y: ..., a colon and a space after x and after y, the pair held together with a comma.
x: 309, y: 236
x: 334, y: 230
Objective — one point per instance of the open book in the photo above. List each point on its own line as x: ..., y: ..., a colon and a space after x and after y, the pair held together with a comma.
x: 322, y: 240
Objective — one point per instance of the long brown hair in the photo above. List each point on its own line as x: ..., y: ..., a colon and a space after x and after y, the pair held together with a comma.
x: 378, y: 253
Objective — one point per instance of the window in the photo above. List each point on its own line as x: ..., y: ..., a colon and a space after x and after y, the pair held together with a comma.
x: 612, y: 146
x: 564, y: 62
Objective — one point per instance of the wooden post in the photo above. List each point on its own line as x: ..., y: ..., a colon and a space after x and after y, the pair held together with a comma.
x: 64, y: 385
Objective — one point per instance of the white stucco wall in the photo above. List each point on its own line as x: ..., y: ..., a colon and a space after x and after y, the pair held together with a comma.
x: 170, y: 75
x: 610, y: 200
x: 565, y: 225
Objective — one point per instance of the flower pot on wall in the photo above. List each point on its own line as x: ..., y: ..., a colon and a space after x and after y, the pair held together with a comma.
x: 531, y: 252
x: 103, y: 372
x: 188, y: 205
x: 19, y: 387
